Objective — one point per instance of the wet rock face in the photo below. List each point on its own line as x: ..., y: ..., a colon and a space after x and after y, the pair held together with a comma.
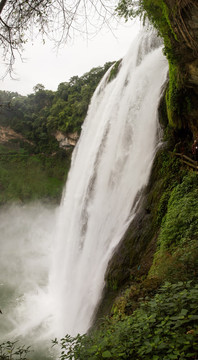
x: 183, y: 16
x: 192, y: 70
x: 136, y: 250
x: 189, y: 15
x: 134, y: 254
x: 184, y: 22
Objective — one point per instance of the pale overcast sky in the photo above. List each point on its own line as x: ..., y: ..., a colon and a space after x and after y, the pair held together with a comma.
x: 43, y: 64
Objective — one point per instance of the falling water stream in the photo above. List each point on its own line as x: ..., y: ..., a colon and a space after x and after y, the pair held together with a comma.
x: 110, y: 165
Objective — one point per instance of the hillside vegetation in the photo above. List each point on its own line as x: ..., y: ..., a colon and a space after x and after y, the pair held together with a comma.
x: 32, y: 165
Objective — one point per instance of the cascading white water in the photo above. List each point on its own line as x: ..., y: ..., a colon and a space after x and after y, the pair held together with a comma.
x: 110, y: 165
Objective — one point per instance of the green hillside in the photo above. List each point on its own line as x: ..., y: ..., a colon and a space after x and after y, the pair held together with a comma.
x: 32, y: 164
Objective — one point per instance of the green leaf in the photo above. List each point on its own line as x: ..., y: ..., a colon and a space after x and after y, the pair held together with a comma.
x: 193, y: 317
x: 184, y: 312
x: 106, y: 354
x: 175, y: 318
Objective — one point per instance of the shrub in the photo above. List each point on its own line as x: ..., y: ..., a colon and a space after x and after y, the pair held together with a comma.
x: 180, y: 225
x: 163, y: 328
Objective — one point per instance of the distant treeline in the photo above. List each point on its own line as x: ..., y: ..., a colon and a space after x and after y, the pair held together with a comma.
x: 39, y: 115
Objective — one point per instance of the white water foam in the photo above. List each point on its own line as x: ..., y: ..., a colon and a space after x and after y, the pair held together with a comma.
x: 111, y: 164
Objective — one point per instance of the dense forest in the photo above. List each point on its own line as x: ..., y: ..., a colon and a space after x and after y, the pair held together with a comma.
x: 39, y: 115
x: 33, y: 166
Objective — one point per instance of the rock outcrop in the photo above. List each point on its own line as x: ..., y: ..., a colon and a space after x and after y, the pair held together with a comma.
x: 66, y: 141
x: 7, y: 134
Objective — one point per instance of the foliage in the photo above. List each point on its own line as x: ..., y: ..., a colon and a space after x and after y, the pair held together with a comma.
x: 24, y: 177
x: 156, y: 11
x: 179, y: 262
x: 162, y: 208
x: 10, y: 351
x: 38, y: 116
x: 72, y: 99
x: 164, y: 328
x: 6, y: 97
x: 177, y: 252
x: 170, y: 174
x: 33, y: 166
x: 180, y: 224
x: 178, y: 101
x: 169, y: 170
x: 182, y: 265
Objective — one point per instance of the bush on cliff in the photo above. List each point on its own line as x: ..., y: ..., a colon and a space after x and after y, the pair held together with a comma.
x: 163, y: 328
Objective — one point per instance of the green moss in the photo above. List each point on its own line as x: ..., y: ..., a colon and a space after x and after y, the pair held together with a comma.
x: 172, y: 94
x: 181, y: 265
x: 162, y: 208
x: 180, y: 224
x: 159, y: 15
x: 170, y: 174
x: 112, y: 283
x: 178, y: 97
x: 177, y: 253
x: 178, y: 101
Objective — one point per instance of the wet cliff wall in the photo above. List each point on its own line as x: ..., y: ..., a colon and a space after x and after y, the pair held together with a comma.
x: 143, y: 261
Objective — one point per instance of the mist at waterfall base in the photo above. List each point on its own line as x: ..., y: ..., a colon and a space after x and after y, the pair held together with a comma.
x: 53, y: 261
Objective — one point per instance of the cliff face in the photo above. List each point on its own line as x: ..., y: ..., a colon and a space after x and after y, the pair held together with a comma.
x: 183, y: 17
x: 178, y: 111
x: 66, y: 141
x: 183, y: 21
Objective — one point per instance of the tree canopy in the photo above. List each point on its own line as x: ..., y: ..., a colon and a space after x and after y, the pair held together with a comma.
x: 39, y: 115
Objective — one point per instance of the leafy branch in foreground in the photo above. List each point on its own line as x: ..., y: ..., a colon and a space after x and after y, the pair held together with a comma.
x: 163, y: 328
x: 10, y: 351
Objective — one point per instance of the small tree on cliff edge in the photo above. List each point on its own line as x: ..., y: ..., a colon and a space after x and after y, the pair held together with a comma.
x: 55, y: 19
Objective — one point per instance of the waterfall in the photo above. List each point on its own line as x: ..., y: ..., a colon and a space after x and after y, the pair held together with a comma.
x: 110, y: 165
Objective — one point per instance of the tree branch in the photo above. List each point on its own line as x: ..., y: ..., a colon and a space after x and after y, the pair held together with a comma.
x: 2, y: 4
